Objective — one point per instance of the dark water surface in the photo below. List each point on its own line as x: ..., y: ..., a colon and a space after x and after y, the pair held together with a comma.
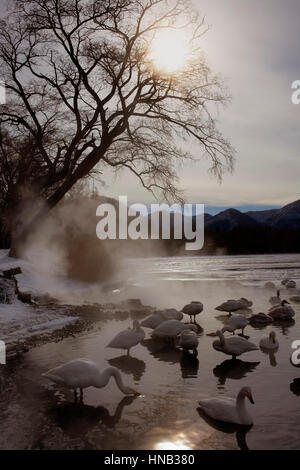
x: 37, y: 414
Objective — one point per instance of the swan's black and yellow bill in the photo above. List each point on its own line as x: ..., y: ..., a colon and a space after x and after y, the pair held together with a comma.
x: 250, y: 398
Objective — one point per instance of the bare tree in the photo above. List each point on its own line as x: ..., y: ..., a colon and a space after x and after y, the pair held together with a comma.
x: 84, y: 91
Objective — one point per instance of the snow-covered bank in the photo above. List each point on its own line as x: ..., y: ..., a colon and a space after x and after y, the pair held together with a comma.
x: 20, y: 322
x: 60, y: 306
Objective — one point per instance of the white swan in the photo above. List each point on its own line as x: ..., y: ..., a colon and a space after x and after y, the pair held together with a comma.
x: 269, y: 342
x: 155, y: 319
x: 84, y: 373
x: 187, y: 340
x: 236, y: 322
x: 275, y: 300
x: 245, y: 302
x: 128, y: 338
x: 260, y: 319
x: 169, y: 329
x: 295, y: 298
x: 282, y: 312
x: 230, y: 306
x: 192, y: 309
x: 172, y: 314
x: 233, y: 346
x: 229, y: 410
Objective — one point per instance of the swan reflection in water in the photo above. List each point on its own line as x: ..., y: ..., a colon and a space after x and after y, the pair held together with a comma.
x: 189, y: 365
x: 271, y: 354
x: 188, y: 362
x: 233, y: 369
x: 129, y: 365
x: 77, y: 420
x: 228, y: 428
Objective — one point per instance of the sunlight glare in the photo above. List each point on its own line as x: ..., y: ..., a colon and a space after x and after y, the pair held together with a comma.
x: 169, y: 51
x: 179, y: 443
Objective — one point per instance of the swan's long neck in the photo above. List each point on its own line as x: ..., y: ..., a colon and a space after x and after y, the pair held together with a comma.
x: 242, y: 410
x: 222, y: 338
x: 103, y: 379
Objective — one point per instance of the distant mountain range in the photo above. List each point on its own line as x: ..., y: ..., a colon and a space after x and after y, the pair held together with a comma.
x: 228, y: 232
x: 288, y: 217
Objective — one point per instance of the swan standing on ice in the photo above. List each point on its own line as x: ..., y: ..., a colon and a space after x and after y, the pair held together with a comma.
x: 233, y: 346
x: 282, y: 312
x: 236, y: 322
x: 229, y: 410
x: 83, y: 373
x: 188, y: 340
x: 229, y: 306
x: 128, y: 338
x: 275, y: 300
x: 192, y: 309
x: 269, y: 342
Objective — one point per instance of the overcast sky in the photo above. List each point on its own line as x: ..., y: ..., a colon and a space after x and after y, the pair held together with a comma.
x: 254, y: 44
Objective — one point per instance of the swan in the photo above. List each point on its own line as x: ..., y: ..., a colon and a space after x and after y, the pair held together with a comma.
x: 245, y: 302
x: 169, y: 329
x: 155, y: 319
x: 282, y: 311
x: 229, y: 410
x: 192, y: 309
x: 236, y: 322
x: 128, y: 338
x: 187, y: 340
x: 295, y: 298
x: 233, y: 346
x: 229, y: 306
x: 260, y: 319
x: 269, y: 342
x: 172, y: 314
x: 275, y: 300
x: 84, y: 373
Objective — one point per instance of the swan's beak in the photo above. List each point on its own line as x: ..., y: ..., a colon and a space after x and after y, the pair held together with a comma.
x: 135, y: 393
x: 250, y: 398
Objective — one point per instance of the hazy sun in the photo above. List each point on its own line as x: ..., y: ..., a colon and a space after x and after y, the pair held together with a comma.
x: 169, y: 51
